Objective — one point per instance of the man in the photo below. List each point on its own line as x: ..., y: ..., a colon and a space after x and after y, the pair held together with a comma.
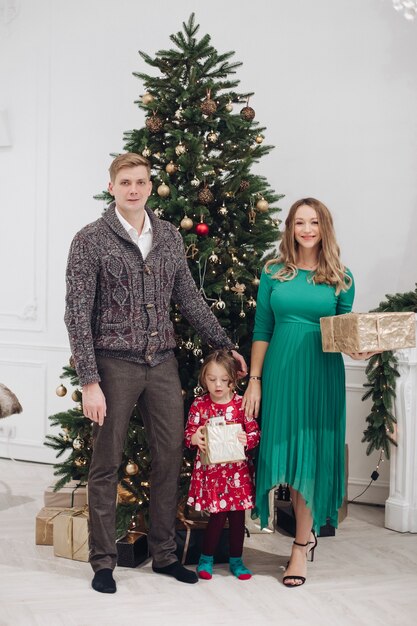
x: 123, y: 271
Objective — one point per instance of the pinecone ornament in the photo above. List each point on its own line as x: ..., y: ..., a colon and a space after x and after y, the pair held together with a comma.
x: 247, y: 113
x: 244, y: 185
x: 155, y: 123
x: 205, y: 196
x: 208, y: 106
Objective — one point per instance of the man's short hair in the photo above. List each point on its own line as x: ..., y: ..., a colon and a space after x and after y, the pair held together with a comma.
x: 129, y: 159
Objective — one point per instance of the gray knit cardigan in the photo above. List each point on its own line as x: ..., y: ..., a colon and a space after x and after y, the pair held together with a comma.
x: 118, y: 305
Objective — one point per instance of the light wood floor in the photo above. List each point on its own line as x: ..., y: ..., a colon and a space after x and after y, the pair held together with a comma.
x: 364, y: 575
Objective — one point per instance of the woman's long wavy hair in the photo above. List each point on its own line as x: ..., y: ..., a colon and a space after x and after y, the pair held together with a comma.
x: 330, y: 269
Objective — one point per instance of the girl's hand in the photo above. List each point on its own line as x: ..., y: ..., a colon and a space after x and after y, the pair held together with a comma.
x: 198, y: 439
x: 243, y: 438
x: 252, y: 398
x: 362, y: 356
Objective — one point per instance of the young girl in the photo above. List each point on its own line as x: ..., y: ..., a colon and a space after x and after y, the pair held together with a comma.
x: 226, y: 489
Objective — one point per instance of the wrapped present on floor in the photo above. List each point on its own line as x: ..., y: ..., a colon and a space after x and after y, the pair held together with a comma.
x: 71, y: 534
x: 74, y: 494
x: 368, y: 332
x: 222, y: 443
x: 132, y: 549
x: 189, y: 535
x: 45, y: 525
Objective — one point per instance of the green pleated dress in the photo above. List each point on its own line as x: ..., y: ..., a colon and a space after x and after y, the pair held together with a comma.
x: 303, y: 410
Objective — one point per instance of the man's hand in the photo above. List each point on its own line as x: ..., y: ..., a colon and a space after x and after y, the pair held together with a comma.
x: 243, y: 368
x: 198, y: 439
x: 94, y: 403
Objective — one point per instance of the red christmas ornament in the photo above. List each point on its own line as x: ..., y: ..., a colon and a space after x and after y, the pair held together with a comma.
x: 202, y: 229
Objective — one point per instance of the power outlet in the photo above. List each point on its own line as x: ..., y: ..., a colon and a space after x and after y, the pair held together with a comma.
x: 7, y: 432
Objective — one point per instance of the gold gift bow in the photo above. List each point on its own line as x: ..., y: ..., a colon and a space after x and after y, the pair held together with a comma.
x: 69, y: 531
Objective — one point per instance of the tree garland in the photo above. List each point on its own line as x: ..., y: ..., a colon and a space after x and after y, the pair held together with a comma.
x: 382, y: 371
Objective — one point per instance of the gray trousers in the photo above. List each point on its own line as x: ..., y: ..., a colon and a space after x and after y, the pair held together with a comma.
x: 157, y: 391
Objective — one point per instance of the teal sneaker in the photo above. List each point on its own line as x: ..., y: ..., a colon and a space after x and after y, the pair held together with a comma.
x: 238, y: 569
x: 205, y: 567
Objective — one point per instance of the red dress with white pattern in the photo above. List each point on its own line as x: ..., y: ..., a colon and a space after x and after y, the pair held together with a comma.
x: 224, y: 486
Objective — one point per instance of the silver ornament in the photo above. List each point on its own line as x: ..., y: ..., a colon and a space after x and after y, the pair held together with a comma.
x: 195, y: 182
x: 146, y: 152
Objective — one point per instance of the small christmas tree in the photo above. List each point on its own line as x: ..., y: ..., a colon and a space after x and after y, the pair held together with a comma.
x: 202, y: 140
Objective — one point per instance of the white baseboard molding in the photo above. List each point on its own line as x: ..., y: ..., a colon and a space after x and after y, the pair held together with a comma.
x: 377, y: 493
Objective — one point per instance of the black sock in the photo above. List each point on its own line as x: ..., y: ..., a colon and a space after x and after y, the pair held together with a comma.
x: 178, y: 571
x: 103, y: 581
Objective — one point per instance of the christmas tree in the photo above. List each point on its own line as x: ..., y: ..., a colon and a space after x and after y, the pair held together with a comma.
x: 202, y: 140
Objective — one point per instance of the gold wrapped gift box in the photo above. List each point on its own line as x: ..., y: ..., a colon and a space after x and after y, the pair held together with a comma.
x: 45, y: 525
x: 368, y: 332
x: 222, y: 443
x: 71, y: 534
x: 73, y: 494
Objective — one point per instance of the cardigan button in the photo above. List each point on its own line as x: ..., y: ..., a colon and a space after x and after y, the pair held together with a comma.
x: 150, y: 305
x: 154, y: 333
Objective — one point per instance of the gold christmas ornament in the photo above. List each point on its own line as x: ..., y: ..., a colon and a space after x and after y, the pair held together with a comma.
x: 213, y: 258
x: 171, y: 167
x: 80, y: 461
x: 251, y: 216
x: 252, y: 303
x: 239, y: 289
x: 76, y: 395
x: 229, y: 106
x: 247, y: 113
x: 256, y: 281
x: 78, y: 443
x: 186, y: 223
x: 147, y: 98
x: 124, y: 496
x: 163, y: 190
x: 146, y: 152
x: 155, y: 123
x: 223, y: 209
x: 131, y: 468
x: 262, y: 205
x: 61, y: 391
x: 259, y: 138
x: 180, y: 149
x: 212, y: 137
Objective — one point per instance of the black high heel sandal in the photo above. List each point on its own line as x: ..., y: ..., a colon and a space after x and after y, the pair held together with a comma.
x: 296, y: 577
x: 314, y: 544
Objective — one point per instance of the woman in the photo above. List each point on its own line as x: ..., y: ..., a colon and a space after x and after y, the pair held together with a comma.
x: 303, y: 388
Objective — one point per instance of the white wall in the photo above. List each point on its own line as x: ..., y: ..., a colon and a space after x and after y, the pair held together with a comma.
x: 335, y: 85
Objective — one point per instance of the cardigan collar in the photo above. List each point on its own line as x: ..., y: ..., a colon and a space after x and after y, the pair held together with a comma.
x: 110, y: 217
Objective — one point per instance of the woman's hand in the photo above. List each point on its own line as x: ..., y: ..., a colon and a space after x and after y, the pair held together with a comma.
x: 362, y: 356
x: 198, y: 439
x: 252, y: 399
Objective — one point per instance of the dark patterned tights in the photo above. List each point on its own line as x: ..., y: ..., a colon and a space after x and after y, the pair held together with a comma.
x: 236, y: 532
